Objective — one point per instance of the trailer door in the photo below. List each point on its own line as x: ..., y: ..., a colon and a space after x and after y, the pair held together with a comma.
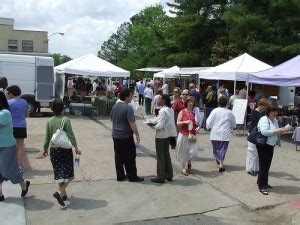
x: 44, y: 79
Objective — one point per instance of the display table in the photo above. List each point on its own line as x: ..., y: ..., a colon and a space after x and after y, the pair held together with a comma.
x: 296, y: 137
x: 80, y: 109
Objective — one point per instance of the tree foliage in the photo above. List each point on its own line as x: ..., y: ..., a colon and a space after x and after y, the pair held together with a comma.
x: 60, y: 59
x: 268, y: 29
x: 206, y: 33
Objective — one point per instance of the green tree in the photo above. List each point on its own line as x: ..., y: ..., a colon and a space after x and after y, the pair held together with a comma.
x: 267, y: 29
x: 115, y: 48
x: 60, y: 59
x: 140, y: 43
x: 198, y: 25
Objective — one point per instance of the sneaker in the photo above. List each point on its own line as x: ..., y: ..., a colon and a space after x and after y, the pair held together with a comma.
x: 264, y: 191
x: 137, y: 179
x: 2, y: 198
x: 59, y: 199
x: 121, y: 178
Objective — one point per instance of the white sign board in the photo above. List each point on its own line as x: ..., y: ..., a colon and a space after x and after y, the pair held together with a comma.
x: 239, y: 110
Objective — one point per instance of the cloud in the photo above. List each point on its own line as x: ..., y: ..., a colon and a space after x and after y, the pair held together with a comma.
x: 86, y: 24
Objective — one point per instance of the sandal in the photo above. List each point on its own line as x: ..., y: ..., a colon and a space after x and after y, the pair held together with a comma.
x: 184, y: 172
x: 64, y: 197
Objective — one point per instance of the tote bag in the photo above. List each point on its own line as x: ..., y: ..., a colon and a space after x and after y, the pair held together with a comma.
x: 60, y: 137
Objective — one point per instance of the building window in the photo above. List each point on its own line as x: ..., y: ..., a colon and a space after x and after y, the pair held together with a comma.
x: 13, y: 45
x: 27, y: 46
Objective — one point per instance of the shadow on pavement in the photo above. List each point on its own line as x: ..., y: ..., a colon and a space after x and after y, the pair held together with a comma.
x: 177, y: 181
x: 230, y: 168
x: 209, y: 174
x: 85, y: 203
x: 34, y: 204
x: 200, y: 159
x: 13, y: 200
x: 288, y: 190
x: 283, y: 175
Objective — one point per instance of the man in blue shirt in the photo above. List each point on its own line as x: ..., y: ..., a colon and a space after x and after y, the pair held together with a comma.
x: 141, y: 88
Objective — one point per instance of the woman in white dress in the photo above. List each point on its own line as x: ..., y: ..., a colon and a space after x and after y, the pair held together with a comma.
x: 186, y: 149
x: 252, y: 164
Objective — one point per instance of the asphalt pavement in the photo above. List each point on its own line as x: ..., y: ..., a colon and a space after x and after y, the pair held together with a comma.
x: 205, y: 197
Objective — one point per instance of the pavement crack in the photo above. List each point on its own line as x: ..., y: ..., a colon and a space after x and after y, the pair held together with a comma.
x: 219, y: 208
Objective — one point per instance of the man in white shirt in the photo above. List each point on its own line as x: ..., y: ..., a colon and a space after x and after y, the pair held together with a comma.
x: 148, y: 95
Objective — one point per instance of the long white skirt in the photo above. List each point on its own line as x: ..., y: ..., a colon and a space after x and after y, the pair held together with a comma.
x: 185, y: 149
x: 252, y: 163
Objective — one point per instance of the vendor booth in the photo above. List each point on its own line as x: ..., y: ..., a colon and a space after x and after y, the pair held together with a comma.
x: 286, y: 74
x: 172, y: 72
x: 91, y: 65
x: 236, y: 69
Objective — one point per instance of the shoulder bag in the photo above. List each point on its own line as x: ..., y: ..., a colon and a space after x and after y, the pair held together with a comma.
x: 60, y: 137
x: 256, y: 137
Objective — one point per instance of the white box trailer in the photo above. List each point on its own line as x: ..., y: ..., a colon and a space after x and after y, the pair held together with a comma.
x: 34, y: 75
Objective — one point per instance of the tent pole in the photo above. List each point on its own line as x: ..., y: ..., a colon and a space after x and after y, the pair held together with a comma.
x: 234, y: 87
x: 245, y: 120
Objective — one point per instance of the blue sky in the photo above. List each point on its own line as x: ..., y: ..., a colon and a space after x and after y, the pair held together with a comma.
x: 86, y: 24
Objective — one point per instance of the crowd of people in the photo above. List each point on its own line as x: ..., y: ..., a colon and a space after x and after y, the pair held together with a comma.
x: 178, y: 121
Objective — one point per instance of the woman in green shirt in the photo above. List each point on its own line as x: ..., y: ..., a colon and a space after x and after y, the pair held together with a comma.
x: 61, y: 159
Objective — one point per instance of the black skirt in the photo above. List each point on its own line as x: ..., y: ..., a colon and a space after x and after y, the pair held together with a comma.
x: 20, y: 132
x: 63, y: 164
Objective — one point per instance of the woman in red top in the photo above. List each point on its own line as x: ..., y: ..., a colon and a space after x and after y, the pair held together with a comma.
x: 186, y: 149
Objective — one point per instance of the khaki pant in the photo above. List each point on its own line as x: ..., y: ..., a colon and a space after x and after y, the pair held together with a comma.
x: 164, y: 164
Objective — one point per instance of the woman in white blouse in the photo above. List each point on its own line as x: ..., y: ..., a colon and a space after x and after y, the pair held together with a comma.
x: 165, y: 128
x: 221, y: 121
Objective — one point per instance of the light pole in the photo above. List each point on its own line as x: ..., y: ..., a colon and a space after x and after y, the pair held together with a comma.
x: 60, y: 33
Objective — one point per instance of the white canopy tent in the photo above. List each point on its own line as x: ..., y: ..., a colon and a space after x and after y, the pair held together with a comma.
x: 235, y: 69
x: 91, y: 65
x: 172, y: 72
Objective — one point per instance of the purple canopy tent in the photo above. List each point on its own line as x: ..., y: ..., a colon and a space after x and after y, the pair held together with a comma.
x: 285, y: 74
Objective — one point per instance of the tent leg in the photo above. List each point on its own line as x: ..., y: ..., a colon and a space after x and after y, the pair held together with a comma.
x: 234, y: 87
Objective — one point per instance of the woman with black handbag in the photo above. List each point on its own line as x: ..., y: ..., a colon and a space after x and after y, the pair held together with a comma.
x: 252, y: 164
x: 61, y: 158
x: 268, y: 126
